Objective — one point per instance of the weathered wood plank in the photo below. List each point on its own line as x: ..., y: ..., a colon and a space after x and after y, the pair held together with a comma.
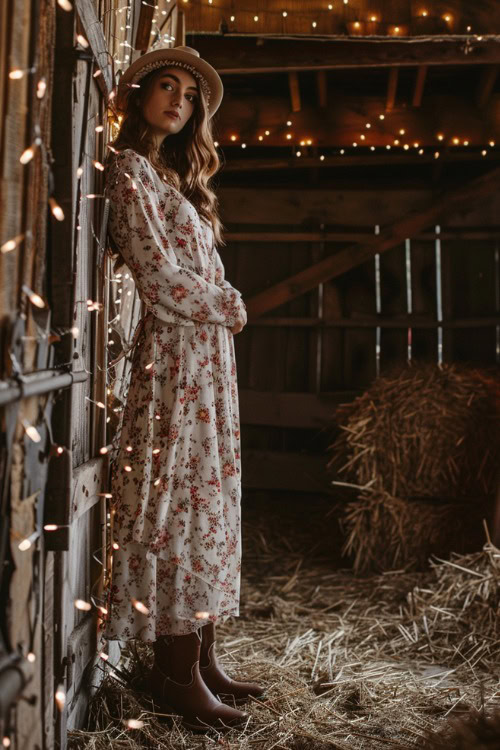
x: 235, y: 54
x: 354, y: 255
x: 292, y: 471
x: 290, y: 409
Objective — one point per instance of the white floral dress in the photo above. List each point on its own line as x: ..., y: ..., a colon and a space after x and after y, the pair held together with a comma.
x: 176, y: 481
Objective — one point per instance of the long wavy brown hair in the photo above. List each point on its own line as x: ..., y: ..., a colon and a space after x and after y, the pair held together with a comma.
x: 187, y: 160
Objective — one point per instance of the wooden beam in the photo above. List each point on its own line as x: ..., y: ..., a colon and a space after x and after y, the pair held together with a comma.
x: 359, y: 236
x: 394, y: 322
x: 293, y: 84
x: 236, y: 54
x: 95, y: 36
x: 304, y: 410
x: 345, y: 160
x: 418, y: 91
x: 353, y: 255
x: 294, y: 472
x: 392, y: 85
x: 486, y: 84
x: 321, y: 88
x: 144, y: 24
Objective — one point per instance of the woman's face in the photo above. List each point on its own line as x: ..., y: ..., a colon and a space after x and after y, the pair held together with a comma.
x: 173, y: 90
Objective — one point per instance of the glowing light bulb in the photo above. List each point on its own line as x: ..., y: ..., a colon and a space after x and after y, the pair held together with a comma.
x: 133, y: 723
x: 81, y: 39
x: 299, y: 153
x: 83, y: 605
x: 424, y: 13
x: 256, y: 18
x: 492, y: 143
x: 140, y: 607
x: 41, y: 88
x: 103, y: 450
x: 50, y: 527
x: 267, y: 132
x: 402, y: 131
x: 285, y: 14
x: 11, y: 244
x: 233, y: 137
x: 314, y: 24
x: 60, y: 697
x: 56, y: 209
x: 322, y: 158
x: 128, y: 467
x: 381, y: 117
x: 65, y: 4
x: 31, y: 657
x: 98, y: 165
x: 373, y: 18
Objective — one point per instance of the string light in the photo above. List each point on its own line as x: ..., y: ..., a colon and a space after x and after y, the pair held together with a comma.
x: 201, y: 615
x: 18, y: 73
x: 50, y: 527
x: 134, y: 723
x: 6, y: 741
x: 65, y: 4
x: 34, y: 298
x: 256, y: 18
x: 322, y: 158
x: 81, y: 40
x: 285, y: 14
x: 41, y: 88
x: 140, y: 607
x: 492, y: 143
x: 31, y: 657
x: 60, y: 697
x: 82, y: 605
x: 28, y: 542
x: 56, y: 209
x: 11, y: 244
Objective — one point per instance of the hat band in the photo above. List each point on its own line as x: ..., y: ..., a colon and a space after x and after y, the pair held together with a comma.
x: 175, y: 63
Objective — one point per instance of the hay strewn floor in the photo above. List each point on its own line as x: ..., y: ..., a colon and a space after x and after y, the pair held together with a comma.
x: 349, y: 662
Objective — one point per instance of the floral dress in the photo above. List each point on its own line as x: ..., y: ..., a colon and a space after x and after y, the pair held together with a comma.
x: 176, y: 480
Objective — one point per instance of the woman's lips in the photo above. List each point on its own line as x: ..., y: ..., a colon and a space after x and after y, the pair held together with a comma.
x: 174, y: 117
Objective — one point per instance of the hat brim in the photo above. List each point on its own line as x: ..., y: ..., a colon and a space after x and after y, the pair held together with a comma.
x: 202, y: 66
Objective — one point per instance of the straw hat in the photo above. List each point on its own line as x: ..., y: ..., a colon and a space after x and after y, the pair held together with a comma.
x: 184, y: 57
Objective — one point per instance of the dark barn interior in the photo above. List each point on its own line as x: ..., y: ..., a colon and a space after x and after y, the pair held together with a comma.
x: 359, y: 143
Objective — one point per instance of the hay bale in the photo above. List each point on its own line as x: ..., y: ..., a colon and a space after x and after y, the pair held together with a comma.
x: 422, y: 447
x: 422, y: 431
x: 478, y: 731
x: 386, y: 532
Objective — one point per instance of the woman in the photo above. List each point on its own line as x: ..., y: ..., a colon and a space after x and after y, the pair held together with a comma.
x: 177, y: 474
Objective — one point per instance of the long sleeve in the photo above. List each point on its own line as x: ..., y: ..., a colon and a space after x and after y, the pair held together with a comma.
x: 140, y: 224
x: 220, y: 279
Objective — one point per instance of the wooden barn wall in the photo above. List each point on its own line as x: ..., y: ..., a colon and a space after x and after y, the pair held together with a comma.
x: 287, y: 401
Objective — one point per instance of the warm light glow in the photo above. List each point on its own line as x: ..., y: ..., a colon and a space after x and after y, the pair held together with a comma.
x: 354, y: 144
x: 156, y: 482
x: 416, y: 145
x: 256, y: 18
x: 267, y: 132
x: 299, y: 153
x: 156, y: 451
x: 11, y: 244
x: 322, y: 158
x: 402, y: 131
x: 81, y: 39
x: 24, y: 545
x: 484, y: 152
x: 32, y: 432
x: 83, y: 605
x: 116, y: 545
x: 466, y: 143
x: 381, y: 117
x: 104, y: 656
x: 356, y: 24
x: 133, y: 723
x: 492, y: 143
x: 368, y: 125
x: 373, y: 18
x: 421, y: 151
x: 16, y: 73
x: 289, y: 123
x: 41, y: 88
x: 27, y: 155
x: 406, y: 147
x: 128, y: 467
x: 140, y: 607
x: 288, y: 136
x: 65, y: 4
x: 233, y: 137
x: 149, y: 366
x: 201, y: 615
x: 56, y: 209
x: 6, y: 741
x: 60, y: 450
x: 285, y: 14
x: 424, y: 13
x: 362, y: 136
x: 314, y: 24
x: 31, y: 657
x: 98, y: 165
x: 447, y: 18
x: 436, y: 154
x: 440, y: 136
x: 129, y: 449
x: 456, y: 141
x: 103, y: 450
x: 396, y: 141
x: 261, y: 137
x: 60, y: 697
x: 388, y: 147
x: 243, y: 145
x: 50, y: 527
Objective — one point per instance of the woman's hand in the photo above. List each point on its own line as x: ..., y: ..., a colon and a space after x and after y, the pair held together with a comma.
x: 240, y: 322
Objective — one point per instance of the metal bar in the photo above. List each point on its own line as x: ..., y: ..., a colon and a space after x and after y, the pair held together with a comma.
x: 378, y: 308
x: 439, y: 297
x: 496, y: 258
x: 36, y: 383
x: 409, y: 299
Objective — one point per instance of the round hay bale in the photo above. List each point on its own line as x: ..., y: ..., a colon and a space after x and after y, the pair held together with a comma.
x: 422, y: 431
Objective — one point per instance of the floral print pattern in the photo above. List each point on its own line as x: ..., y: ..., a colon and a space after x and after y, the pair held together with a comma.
x: 176, y: 480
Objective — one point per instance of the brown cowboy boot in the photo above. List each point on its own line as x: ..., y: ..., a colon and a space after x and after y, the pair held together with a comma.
x: 214, y: 676
x: 176, y: 685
